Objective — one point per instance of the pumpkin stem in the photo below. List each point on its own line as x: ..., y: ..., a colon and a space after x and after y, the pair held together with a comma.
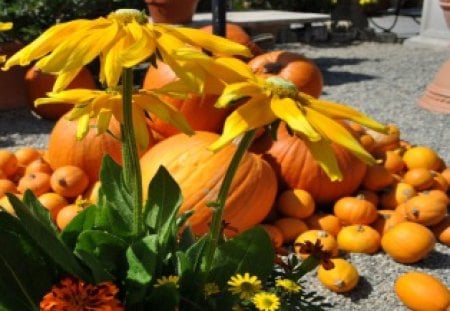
x: 272, y: 68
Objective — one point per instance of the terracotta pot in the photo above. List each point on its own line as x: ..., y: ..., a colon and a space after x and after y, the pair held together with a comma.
x: 437, y: 94
x: 12, y: 82
x: 172, y: 11
x: 445, y: 6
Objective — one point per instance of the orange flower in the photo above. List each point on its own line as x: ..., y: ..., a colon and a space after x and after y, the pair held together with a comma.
x: 76, y: 295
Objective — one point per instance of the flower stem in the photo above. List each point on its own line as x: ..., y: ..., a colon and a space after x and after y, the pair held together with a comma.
x: 130, y: 157
x: 219, y: 204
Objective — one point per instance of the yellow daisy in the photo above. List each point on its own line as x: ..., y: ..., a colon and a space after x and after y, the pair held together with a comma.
x: 211, y: 289
x: 244, y: 285
x: 102, y: 105
x: 122, y: 39
x: 288, y: 285
x: 171, y: 279
x: 315, y: 120
x: 265, y: 301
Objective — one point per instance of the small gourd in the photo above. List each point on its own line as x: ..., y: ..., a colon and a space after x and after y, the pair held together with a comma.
x: 359, y: 239
x: 355, y: 211
x: 342, y: 278
x: 327, y: 240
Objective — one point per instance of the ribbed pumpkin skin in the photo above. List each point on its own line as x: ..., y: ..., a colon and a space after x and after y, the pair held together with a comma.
x: 295, y: 165
x: 87, y: 154
x: 199, y: 173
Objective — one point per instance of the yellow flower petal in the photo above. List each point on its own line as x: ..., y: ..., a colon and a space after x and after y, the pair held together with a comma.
x: 238, y: 67
x: 324, y: 154
x: 64, y: 78
x: 286, y: 109
x: 6, y: 26
x: 143, y: 47
x: 340, y: 111
x: 254, y: 113
x: 111, y: 66
x: 103, y: 119
x: 82, y: 126
x: 335, y: 132
x: 140, y: 129
x: 212, y: 43
x: 163, y: 111
x: 236, y: 91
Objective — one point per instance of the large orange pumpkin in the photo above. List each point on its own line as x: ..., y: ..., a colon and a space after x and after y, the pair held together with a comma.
x: 302, y: 71
x: 297, y: 168
x: 237, y: 34
x: 198, y: 110
x: 87, y: 154
x: 38, y: 84
x: 199, y: 173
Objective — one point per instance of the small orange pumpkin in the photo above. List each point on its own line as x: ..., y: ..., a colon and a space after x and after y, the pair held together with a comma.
x: 6, y: 186
x: 327, y: 222
x: 66, y: 214
x: 327, y: 240
x: 426, y: 210
x: 355, y: 211
x: 275, y: 234
x: 387, y: 219
x: 421, y: 157
x: 420, y: 291
x: 38, y: 165
x: 26, y: 155
x: 53, y: 202
x: 393, y: 162
x: 442, y: 230
x: 38, y: 183
x: 420, y: 178
x: 377, y: 177
x: 396, y: 194
x: 199, y: 173
x: 290, y: 227
x: 69, y: 181
x: 8, y: 162
x: 301, y: 71
x: 296, y: 203
x: 342, y: 278
x: 408, y: 242
x: 359, y: 239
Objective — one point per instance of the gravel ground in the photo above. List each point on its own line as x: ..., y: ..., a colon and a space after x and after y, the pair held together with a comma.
x: 382, y: 80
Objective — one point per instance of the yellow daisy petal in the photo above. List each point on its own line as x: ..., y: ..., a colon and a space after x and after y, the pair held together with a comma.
x: 254, y: 113
x: 82, y: 126
x: 111, y: 67
x: 163, y: 111
x: 140, y: 129
x: 64, y: 78
x: 103, y: 119
x: 238, y: 67
x: 286, y: 109
x: 236, y: 91
x: 324, y: 154
x: 143, y: 47
x: 335, y: 132
x: 6, y: 26
x: 336, y: 110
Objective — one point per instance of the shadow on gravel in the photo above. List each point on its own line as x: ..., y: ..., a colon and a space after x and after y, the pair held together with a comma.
x: 362, y: 290
x: 435, y: 261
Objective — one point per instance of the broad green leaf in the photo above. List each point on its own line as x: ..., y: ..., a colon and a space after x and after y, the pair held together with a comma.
x: 250, y: 251
x: 142, y: 259
x: 21, y: 258
x: 115, y: 212
x: 84, y: 220
x: 39, y: 211
x: 105, y: 253
x: 48, y: 241
x: 196, y: 253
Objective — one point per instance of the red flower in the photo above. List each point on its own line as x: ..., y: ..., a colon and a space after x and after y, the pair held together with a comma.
x: 75, y: 295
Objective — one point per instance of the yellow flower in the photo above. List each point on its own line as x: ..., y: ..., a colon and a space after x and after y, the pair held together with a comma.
x: 102, y: 105
x: 265, y: 301
x: 316, y: 121
x: 288, y: 285
x: 171, y: 279
x: 122, y: 39
x: 211, y: 289
x: 244, y: 285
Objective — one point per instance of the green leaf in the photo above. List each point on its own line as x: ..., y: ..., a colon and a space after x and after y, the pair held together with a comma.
x: 142, y: 257
x: 21, y: 258
x: 47, y: 240
x: 250, y: 251
x: 115, y: 207
x: 164, y: 200
x: 103, y: 252
x: 84, y: 220
x: 166, y: 297
x: 196, y: 253
x: 38, y: 210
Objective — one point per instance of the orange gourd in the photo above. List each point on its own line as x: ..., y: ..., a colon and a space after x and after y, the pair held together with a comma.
x: 359, y: 239
x: 26, y: 155
x: 53, y: 202
x: 426, y: 210
x: 446, y: 174
x: 396, y: 194
x: 420, y: 291
x: 296, y: 167
x: 290, y: 227
x: 421, y: 157
x: 327, y: 240
x: 296, y: 203
x: 198, y: 110
x: 65, y: 149
x: 8, y: 162
x: 387, y: 219
x: 38, y: 165
x: 342, y: 278
x: 69, y: 181
x: 369, y: 195
x: 439, y: 182
x: 355, y: 211
x: 6, y: 186
x: 38, y: 83
x: 300, y: 70
x: 275, y: 234
x: 377, y: 177
x: 38, y: 183
x: 420, y: 178
x: 327, y: 222
x: 66, y: 214
x: 408, y: 242
x: 442, y: 230
x: 393, y: 162
x: 199, y: 173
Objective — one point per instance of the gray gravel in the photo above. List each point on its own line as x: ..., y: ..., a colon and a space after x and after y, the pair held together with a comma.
x: 382, y: 80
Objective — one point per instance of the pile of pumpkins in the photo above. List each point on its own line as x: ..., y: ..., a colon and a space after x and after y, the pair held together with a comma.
x: 398, y: 205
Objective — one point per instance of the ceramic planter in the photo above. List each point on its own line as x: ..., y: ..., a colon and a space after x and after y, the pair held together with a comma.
x: 12, y: 82
x: 437, y: 94
x: 172, y: 11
